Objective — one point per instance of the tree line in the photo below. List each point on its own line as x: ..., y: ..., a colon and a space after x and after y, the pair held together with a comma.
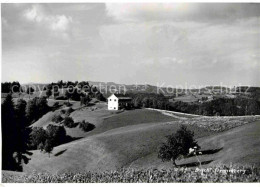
x: 219, y: 107
x: 239, y: 106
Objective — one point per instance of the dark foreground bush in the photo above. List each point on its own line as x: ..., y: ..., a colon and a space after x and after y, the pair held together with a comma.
x: 214, y: 174
x: 86, y: 126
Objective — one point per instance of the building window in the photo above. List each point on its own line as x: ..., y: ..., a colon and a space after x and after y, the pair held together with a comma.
x: 110, y: 99
x: 115, y: 100
x: 114, y: 107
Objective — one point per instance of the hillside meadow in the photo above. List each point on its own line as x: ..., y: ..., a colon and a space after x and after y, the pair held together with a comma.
x: 125, y: 143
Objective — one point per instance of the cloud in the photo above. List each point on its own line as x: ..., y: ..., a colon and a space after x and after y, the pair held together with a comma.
x: 181, y: 11
x: 37, y: 14
x: 172, y: 43
x: 189, y: 45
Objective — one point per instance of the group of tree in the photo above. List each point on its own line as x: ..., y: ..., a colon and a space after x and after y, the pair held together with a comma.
x: 36, y: 108
x: 219, y: 107
x: 73, y: 90
x: 45, y: 140
x: 11, y: 87
x: 15, y: 134
x: 149, y: 100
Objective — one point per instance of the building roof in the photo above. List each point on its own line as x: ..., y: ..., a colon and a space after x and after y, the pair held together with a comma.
x: 122, y: 97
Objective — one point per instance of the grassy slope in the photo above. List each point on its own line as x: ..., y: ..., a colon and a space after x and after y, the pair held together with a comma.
x: 115, y: 143
x: 109, y: 150
x: 103, y: 119
x: 131, y: 139
x: 240, y: 146
x: 136, y: 146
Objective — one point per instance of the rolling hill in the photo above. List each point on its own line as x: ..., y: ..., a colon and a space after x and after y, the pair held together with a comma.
x: 131, y: 139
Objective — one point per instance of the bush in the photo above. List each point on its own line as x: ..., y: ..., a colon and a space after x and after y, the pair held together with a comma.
x: 86, y: 126
x: 68, y: 122
x: 57, y: 118
x: 177, y: 144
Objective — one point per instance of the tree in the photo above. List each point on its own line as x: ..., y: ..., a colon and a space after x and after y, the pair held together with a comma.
x: 31, y: 110
x: 8, y: 133
x: 57, y: 134
x: 36, y: 108
x: 60, y: 84
x: 23, y: 135
x: 15, y: 87
x: 14, y: 135
x: 86, y: 126
x: 56, y: 93
x: 177, y: 144
x: 20, y: 110
x: 30, y: 91
x: 48, y: 93
x: 57, y: 118
x: 100, y: 96
x: 6, y: 87
x: 48, y: 146
x: 68, y: 122
x: 38, y: 137
x: 84, y: 100
x: 69, y: 93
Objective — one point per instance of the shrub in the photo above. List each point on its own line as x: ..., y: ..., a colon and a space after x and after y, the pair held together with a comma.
x: 86, y: 126
x: 177, y: 144
x: 68, y: 122
x: 57, y: 118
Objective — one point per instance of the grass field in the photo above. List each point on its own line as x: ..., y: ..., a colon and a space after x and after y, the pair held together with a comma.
x: 130, y: 139
x: 223, y: 173
x: 118, y: 144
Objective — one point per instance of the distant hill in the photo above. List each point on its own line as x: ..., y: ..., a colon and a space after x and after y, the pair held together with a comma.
x: 112, y: 87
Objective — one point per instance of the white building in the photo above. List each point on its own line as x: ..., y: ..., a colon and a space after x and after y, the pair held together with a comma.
x: 116, y: 102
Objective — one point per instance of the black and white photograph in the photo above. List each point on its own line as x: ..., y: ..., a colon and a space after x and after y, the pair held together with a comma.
x: 130, y: 92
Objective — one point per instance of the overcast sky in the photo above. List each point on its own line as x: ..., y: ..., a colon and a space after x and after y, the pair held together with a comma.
x: 176, y: 44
